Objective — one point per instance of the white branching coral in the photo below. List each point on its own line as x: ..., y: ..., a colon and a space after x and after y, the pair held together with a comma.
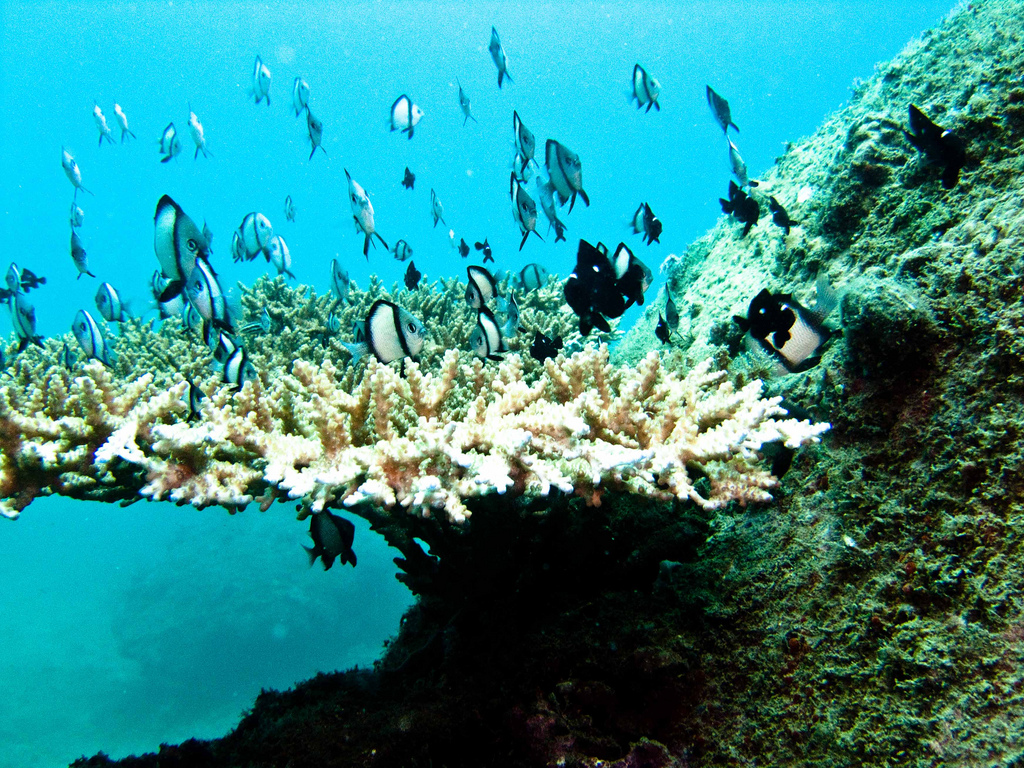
x: 419, y: 442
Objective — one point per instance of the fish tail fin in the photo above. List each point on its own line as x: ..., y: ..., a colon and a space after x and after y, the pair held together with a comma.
x: 474, y: 120
x: 311, y: 551
x: 381, y: 240
x: 357, y: 349
x: 312, y: 152
x: 366, y: 246
x: 657, y: 108
x: 586, y: 200
x: 196, y: 155
x: 268, y: 99
x: 649, y: 105
x: 522, y: 242
x: 734, y: 126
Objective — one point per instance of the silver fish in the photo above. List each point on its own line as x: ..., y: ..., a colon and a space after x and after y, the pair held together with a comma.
x: 316, y: 133
x: 510, y: 308
x: 168, y: 306
x: 499, y: 57
x: 195, y: 128
x: 177, y: 242
x: 333, y: 324
x: 436, y: 209
x: 300, y: 95
x: 109, y: 303
x: 23, y: 318
x: 260, y: 82
x: 259, y: 325
x: 78, y: 255
x: 402, y: 250
x: 22, y: 280
x: 405, y: 115
x: 546, y: 195
x: 170, y: 144
x: 720, y: 111
x: 565, y: 172
x: 77, y: 216
x: 279, y: 255
x: 481, y: 287
x: 340, y: 284
x: 122, y: 120
x: 524, y: 210
x: 526, y: 144
x: 532, y: 277
x: 90, y: 338
x: 486, y: 339
x: 238, y: 369
x: 237, y: 246
x: 205, y: 295
x: 645, y: 89
x: 101, y: 124
x: 289, y: 209
x: 522, y: 168
x: 72, y: 170
x: 739, y: 168
x: 391, y: 333
x: 256, y: 231
x: 362, y: 214
x: 464, y: 105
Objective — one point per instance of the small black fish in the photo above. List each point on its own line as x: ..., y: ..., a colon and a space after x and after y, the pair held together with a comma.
x: 412, y: 276
x: 409, y: 180
x: 939, y: 145
x: 543, y: 347
x: 779, y: 215
x: 671, y: 313
x: 645, y: 222
x: 463, y: 248
x: 742, y: 206
x: 662, y: 331
x: 600, y: 287
x: 332, y: 538
x: 486, y: 248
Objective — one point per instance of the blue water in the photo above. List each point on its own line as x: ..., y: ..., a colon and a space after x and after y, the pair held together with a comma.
x: 124, y: 627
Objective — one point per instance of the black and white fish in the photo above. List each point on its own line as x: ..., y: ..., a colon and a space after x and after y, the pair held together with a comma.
x: 793, y: 335
x: 289, y: 209
x: 122, y: 120
x: 195, y: 128
x: 260, y: 82
x: 742, y: 206
x: 436, y: 209
x: 464, y: 105
x: 170, y: 305
x: 526, y: 144
x: 362, y: 213
x: 645, y: 89
x: 238, y: 369
x: 546, y: 195
x: 720, y: 111
x: 779, y: 216
x: 109, y: 304
x: 522, y: 168
x: 76, y: 217
x: 72, y: 170
x: 412, y: 276
x: 22, y: 280
x: 90, y: 338
x: 532, y: 277
x: 300, y: 95
x: 391, y: 333
x: 260, y: 325
x: 340, y: 283
x: 101, y: 124
x: 332, y: 538
x: 938, y: 144
x: 603, y: 287
x: 177, y: 242
x: 316, y: 133
x: 238, y: 246
x: 510, y: 308
x: 662, y: 331
x: 402, y: 250
x: 486, y: 339
x: 405, y: 115
x: 256, y: 231
x: 409, y: 181
x: 481, y: 287
x: 485, y: 247
x: 279, y: 256
x: 220, y: 343
x: 565, y: 172
x: 544, y: 347
x: 463, y: 248
x: 68, y: 358
x: 333, y: 324
x: 79, y: 256
x: 206, y: 297
x: 358, y: 331
x: 524, y: 210
x: 646, y: 223
x: 195, y: 401
x: 23, y: 318
x: 499, y: 57
x: 170, y: 144
x: 671, y: 313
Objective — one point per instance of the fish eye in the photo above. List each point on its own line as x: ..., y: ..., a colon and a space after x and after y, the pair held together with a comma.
x: 412, y: 327
x: 192, y: 245
x: 81, y: 326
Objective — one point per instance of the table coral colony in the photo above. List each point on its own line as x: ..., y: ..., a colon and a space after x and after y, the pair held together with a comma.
x: 403, y: 441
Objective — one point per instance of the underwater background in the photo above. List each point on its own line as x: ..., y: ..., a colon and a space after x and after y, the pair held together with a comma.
x: 122, y: 628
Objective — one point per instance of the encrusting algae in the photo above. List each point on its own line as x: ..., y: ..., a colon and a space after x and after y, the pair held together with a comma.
x: 423, y: 437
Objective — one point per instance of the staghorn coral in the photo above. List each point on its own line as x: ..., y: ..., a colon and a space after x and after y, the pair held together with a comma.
x: 423, y: 442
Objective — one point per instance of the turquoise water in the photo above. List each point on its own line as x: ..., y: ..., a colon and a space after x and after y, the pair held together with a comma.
x: 126, y: 627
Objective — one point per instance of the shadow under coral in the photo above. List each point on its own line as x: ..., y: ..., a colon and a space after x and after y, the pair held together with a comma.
x: 547, y: 632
